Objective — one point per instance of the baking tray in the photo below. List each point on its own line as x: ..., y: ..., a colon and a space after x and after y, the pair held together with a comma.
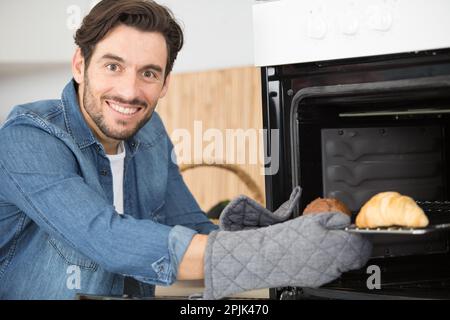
x: 399, y: 230
x: 438, y: 213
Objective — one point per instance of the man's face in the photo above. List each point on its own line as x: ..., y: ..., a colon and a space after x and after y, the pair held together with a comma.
x: 123, y: 82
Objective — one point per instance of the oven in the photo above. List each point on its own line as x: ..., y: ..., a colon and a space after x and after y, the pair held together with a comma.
x: 358, y: 120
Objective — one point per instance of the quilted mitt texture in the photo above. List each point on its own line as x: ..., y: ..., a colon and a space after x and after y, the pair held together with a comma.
x: 308, y: 251
x: 243, y: 213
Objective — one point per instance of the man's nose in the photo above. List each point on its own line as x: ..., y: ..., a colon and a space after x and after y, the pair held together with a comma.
x: 128, y: 87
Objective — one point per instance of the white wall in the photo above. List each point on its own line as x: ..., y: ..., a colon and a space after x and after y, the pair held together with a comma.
x: 26, y: 83
x: 37, y: 43
x: 219, y: 33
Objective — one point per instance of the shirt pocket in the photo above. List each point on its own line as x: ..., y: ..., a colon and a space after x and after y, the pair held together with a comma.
x: 71, y: 256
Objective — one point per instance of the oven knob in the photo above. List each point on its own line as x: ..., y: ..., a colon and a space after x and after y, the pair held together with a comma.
x: 349, y: 23
x: 317, y: 27
x: 379, y: 18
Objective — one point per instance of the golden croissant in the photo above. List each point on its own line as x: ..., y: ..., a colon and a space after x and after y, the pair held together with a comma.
x: 391, y: 208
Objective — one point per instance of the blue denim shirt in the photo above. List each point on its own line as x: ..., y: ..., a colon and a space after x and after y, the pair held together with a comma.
x: 59, y: 232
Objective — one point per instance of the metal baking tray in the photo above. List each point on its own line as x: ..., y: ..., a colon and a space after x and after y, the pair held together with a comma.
x: 438, y: 213
x: 398, y: 230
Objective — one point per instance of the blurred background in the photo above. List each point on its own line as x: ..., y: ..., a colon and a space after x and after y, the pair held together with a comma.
x: 213, y: 81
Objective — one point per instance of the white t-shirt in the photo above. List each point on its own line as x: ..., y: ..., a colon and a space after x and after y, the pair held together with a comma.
x: 117, y: 166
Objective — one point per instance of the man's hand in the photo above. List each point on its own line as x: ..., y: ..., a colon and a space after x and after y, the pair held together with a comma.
x: 308, y: 251
x: 244, y: 213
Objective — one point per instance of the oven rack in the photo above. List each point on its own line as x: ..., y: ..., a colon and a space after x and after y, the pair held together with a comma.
x: 434, y: 206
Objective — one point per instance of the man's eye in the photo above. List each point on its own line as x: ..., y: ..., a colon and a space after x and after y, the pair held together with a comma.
x: 148, y: 74
x: 112, y: 67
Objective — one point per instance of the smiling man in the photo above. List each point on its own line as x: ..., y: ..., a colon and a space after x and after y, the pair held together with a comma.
x: 90, y: 198
x: 120, y: 89
x: 88, y: 189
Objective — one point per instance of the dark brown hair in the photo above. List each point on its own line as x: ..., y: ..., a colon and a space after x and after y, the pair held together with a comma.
x: 145, y: 15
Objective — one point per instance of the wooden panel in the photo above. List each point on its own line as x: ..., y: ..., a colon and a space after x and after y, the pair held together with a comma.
x: 222, y: 99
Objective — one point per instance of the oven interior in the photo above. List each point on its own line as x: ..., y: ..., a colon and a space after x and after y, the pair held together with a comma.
x: 352, y: 139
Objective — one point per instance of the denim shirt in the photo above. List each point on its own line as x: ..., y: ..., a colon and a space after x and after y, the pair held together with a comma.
x: 59, y: 232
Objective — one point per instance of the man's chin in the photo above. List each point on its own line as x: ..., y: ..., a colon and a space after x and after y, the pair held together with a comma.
x: 121, y: 130
x: 119, y: 134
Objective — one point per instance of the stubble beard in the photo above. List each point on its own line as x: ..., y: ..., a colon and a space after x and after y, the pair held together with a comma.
x: 95, y: 113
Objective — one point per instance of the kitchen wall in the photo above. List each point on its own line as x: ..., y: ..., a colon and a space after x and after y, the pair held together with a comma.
x: 37, y: 43
x: 22, y: 83
x: 210, y: 104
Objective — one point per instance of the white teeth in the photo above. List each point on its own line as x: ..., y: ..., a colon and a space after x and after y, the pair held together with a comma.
x: 127, y: 111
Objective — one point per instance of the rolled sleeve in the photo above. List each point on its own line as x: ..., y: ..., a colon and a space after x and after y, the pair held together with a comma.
x: 166, y: 270
x: 179, y: 239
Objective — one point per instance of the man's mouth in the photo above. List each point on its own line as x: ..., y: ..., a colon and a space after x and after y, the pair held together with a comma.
x: 124, y: 110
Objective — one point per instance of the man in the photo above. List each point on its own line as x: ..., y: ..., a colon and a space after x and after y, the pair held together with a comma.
x: 89, y: 194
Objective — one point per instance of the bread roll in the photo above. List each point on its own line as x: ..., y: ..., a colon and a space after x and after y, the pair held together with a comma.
x: 326, y: 205
x: 391, y: 209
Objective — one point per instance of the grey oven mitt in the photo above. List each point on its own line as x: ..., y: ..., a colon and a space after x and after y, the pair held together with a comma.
x: 308, y: 251
x: 245, y: 213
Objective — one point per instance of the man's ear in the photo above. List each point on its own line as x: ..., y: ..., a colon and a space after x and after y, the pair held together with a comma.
x: 78, y: 66
x: 165, y: 86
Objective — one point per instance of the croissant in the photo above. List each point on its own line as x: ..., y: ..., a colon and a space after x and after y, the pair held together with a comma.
x: 391, y: 208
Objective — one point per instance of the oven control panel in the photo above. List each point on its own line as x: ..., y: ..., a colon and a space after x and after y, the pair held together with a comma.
x: 295, y: 31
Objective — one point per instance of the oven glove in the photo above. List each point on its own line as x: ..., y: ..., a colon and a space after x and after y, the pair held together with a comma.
x: 307, y: 251
x: 244, y: 213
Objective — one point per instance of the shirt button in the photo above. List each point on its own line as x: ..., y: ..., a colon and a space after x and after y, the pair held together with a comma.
x: 104, y: 172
